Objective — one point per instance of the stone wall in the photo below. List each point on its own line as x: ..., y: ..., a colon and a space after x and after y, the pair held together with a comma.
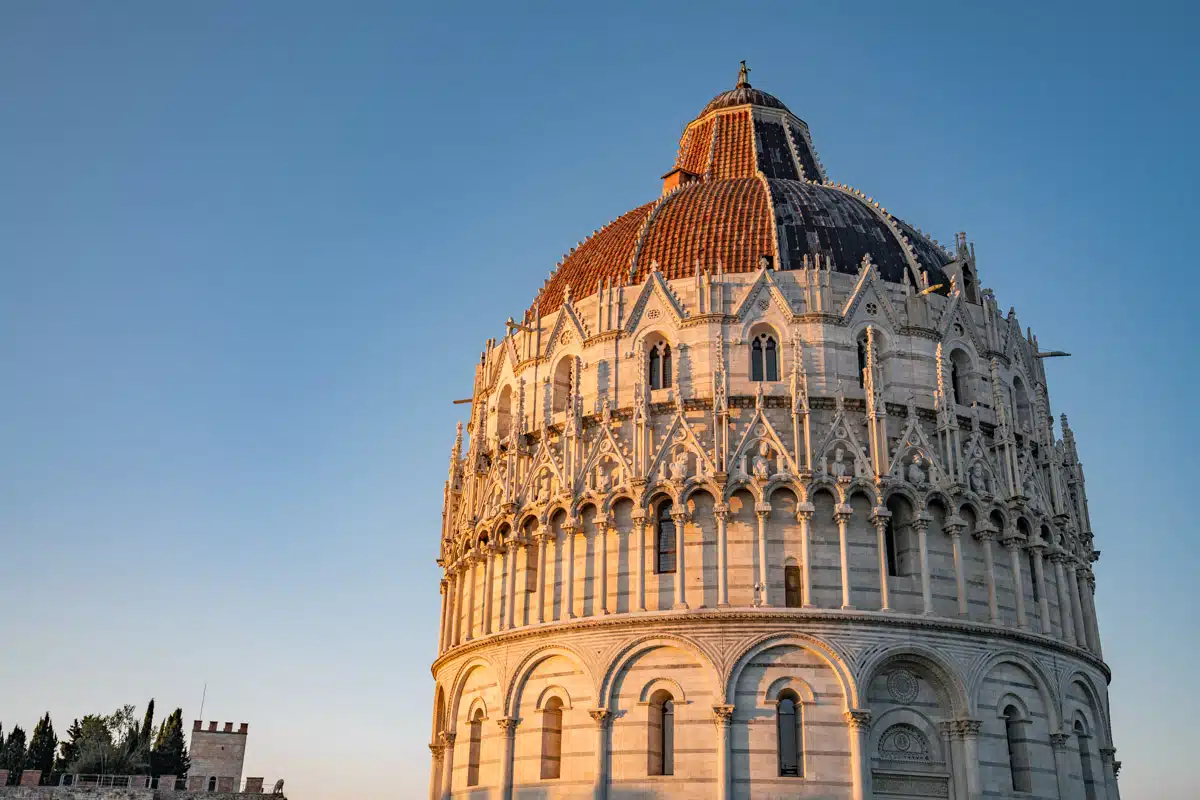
x: 88, y: 793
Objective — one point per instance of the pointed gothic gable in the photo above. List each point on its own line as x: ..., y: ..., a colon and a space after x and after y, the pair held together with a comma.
x: 655, y: 287
x: 757, y: 429
x: 914, y: 438
x: 566, y: 326
x: 954, y: 312
x: 509, y: 358
x: 841, y: 432
x: 870, y: 288
x: 763, y: 286
x: 605, y: 445
x: 680, y: 433
x: 976, y: 451
x: 543, y: 459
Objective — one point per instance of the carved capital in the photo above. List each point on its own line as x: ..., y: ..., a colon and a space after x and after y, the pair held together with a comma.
x: 720, y: 511
x: 804, y: 512
x: 438, y: 749
x: 1059, y: 740
x: 858, y: 719
x: 842, y: 513
x: 638, y: 517
x: 986, y: 533
x: 921, y: 523
x: 602, y: 716
x: 447, y: 738
x: 601, y: 522
x: 1116, y: 769
x: 508, y: 725
x: 965, y: 728
x: 723, y: 714
x: 679, y: 516
x: 1012, y: 540
x: 1107, y: 753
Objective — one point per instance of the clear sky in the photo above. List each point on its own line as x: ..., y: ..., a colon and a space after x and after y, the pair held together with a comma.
x: 249, y: 253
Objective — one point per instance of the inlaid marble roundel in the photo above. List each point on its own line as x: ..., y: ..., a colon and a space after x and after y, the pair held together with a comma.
x: 653, y: 313
x: 902, y: 685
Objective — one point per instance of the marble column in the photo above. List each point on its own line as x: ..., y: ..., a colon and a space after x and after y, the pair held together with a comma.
x: 1107, y: 760
x: 985, y: 534
x: 1038, y: 548
x: 447, y: 763
x: 762, y: 510
x: 921, y: 524
x: 639, y: 561
x: 1089, y: 599
x: 723, y: 717
x: 721, y: 512
x: 568, y: 594
x: 600, y: 602
x: 508, y: 731
x: 804, y: 514
x: 680, y: 516
x: 879, y: 518
x: 1081, y: 637
x: 1012, y: 543
x: 444, y: 589
x: 471, y: 599
x: 543, y: 540
x: 489, y: 589
x: 968, y: 729
x: 435, y: 773
x: 1062, y: 768
x: 1058, y: 558
x: 460, y: 576
x: 510, y: 580
x: 954, y: 527
x: 859, y: 723
x: 841, y: 515
x: 603, y: 717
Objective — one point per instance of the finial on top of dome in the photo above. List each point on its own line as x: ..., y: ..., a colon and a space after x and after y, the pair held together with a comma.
x: 743, y: 77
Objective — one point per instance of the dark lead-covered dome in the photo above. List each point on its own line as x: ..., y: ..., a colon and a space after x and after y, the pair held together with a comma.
x: 746, y: 183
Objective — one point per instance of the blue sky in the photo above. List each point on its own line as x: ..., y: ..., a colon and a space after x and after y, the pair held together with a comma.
x: 249, y: 252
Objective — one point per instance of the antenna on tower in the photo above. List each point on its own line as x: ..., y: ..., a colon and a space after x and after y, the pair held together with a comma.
x: 203, y: 697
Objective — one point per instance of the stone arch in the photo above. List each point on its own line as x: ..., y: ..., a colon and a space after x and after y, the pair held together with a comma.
x: 771, y: 693
x: 896, y: 489
x: 943, y: 674
x: 560, y: 383
x: 657, y: 492
x: 615, y: 497
x: 694, y: 487
x: 835, y: 659
x: 478, y: 704
x: 439, y: 712
x: 912, y: 718
x: 940, y: 497
x: 762, y: 334
x: 678, y: 695
x: 1041, y: 681
x: 1099, y: 726
x: 512, y: 697
x: 552, y: 691
x: 636, y: 648
x: 460, y: 680
x: 796, y: 487
x: 736, y: 485
x: 504, y: 422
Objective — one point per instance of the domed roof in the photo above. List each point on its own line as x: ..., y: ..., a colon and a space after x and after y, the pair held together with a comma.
x: 746, y: 183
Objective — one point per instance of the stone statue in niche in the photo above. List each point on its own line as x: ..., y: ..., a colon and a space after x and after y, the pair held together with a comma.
x: 838, y: 468
x: 679, y: 466
x: 601, y: 481
x: 605, y: 411
x: 916, y: 474
x: 979, y: 480
x: 543, y: 488
x: 762, y: 466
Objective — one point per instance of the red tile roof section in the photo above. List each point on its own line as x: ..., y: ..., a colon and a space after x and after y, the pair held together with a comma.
x: 733, y: 154
x: 726, y: 221
x: 697, y: 143
x: 604, y: 254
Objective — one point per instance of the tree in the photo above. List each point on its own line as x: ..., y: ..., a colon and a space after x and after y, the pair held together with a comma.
x: 12, y: 758
x: 170, y: 754
x: 41, y: 748
x: 147, y: 725
x: 68, y: 749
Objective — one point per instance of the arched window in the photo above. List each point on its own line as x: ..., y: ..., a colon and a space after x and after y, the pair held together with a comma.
x: 969, y: 285
x: 764, y: 358
x: 960, y: 368
x: 893, y: 555
x: 862, y: 362
x: 660, y: 366
x: 1085, y: 762
x: 531, y: 567
x: 1021, y: 401
x: 475, y: 748
x: 662, y: 733
x: 664, y: 539
x: 212, y: 784
x: 552, y: 739
x: 789, y: 734
x: 562, y: 385
x: 504, y: 413
x: 1018, y: 752
x: 793, y: 595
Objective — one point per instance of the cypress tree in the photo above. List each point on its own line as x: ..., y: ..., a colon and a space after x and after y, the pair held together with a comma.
x: 170, y: 753
x: 12, y: 758
x: 42, y: 745
x: 147, y: 725
x: 68, y: 748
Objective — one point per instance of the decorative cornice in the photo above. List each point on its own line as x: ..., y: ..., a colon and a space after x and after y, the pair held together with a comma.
x: 774, y: 615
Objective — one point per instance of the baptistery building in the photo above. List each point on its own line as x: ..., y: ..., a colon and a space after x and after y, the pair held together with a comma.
x: 763, y: 497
